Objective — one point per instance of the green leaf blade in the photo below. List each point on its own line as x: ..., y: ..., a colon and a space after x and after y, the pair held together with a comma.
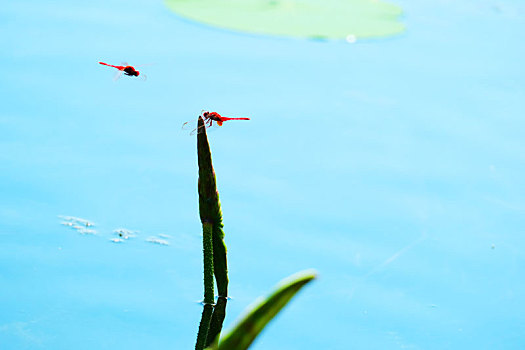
x: 254, y: 321
x: 210, y: 209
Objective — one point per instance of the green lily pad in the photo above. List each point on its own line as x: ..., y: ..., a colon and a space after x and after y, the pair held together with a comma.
x: 321, y: 19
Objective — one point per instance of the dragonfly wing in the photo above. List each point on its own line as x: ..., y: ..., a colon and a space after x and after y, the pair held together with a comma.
x: 193, y: 126
x: 117, y: 75
x: 209, y: 128
x: 198, y: 130
x: 190, y: 124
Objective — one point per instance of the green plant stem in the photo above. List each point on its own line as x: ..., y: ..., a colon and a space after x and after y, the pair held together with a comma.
x: 207, y: 244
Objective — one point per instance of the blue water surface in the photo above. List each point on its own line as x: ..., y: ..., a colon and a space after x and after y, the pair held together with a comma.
x: 392, y: 166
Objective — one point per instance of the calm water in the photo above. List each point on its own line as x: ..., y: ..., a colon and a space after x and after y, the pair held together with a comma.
x: 394, y: 167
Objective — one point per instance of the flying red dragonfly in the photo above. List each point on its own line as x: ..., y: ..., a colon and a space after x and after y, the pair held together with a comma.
x: 126, y: 69
x: 209, y: 118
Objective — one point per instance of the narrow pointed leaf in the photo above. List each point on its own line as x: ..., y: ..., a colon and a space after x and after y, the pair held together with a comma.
x: 245, y: 332
x: 210, y: 209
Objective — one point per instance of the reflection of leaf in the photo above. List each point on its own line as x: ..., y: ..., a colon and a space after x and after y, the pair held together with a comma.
x: 217, y: 318
x: 204, y: 326
x: 245, y: 332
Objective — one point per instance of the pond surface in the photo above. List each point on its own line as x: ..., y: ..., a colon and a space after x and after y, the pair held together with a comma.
x: 392, y: 166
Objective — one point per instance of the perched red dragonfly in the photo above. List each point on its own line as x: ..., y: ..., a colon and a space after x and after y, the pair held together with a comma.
x: 126, y: 69
x: 209, y: 118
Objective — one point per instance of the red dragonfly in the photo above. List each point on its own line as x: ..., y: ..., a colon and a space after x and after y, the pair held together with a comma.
x: 126, y: 69
x: 209, y: 118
